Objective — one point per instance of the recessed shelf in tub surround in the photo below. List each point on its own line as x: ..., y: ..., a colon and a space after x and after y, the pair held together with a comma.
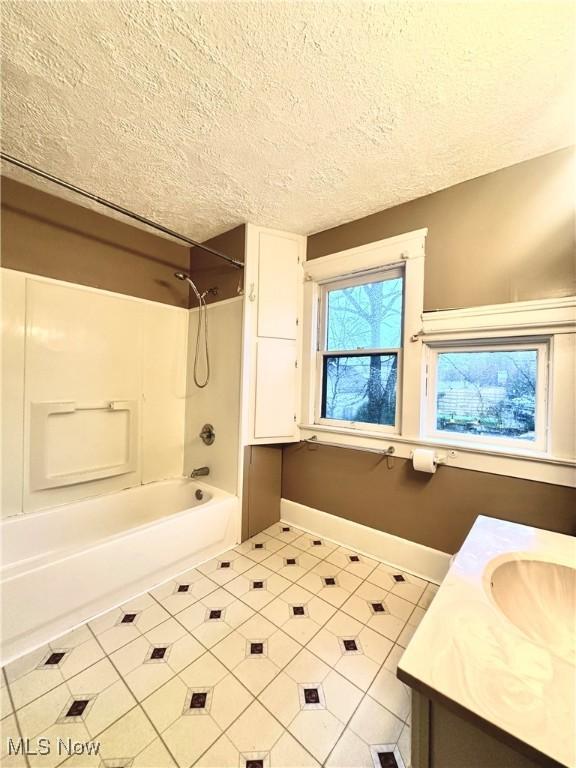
x: 473, y: 651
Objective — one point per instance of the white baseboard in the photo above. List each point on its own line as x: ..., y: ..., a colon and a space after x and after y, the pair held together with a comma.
x: 430, y: 564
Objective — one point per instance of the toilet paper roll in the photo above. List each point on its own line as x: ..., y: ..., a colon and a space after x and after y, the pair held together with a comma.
x: 424, y: 460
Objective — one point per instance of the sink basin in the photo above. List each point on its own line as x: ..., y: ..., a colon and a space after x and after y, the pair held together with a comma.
x: 539, y: 597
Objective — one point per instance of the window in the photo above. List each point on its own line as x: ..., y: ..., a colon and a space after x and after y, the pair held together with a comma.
x: 360, y: 349
x: 488, y: 393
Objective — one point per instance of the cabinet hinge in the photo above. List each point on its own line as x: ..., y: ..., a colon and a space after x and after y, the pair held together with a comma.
x: 297, y: 321
x: 294, y: 417
x: 295, y: 363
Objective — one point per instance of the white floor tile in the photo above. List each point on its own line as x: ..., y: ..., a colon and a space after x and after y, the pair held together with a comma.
x: 284, y: 532
x: 290, y: 562
x: 255, y: 730
x: 316, y: 727
x: 330, y: 584
x: 378, y: 609
x: 214, y: 617
x: 428, y: 595
x: 151, y: 660
x: 186, y: 589
x: 9, y: 733
x: 388, y: 690
x: 311, y: 705
x: 121, y: 625
x: 315, y: 545
x: 38, y: 672
x: 350, y: 752
x: 299, y: 613
x: 374, y: 724
x: 351, y: 648
x: 226, y: 567
x: 398, y: 582
x: 104, y: 697
x: 256, y: 652
x: 189, y: 729
x: 259, y: 547
x: 351, y: 561
x: 5, y: 703
x: 258, y: 586
x: 410, y: 627
x: 131, y: 741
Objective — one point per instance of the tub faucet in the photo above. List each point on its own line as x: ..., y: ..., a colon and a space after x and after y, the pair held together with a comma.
x: 200, y: 472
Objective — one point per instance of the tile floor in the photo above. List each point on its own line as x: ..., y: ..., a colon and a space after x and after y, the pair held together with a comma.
x: 280, y: 653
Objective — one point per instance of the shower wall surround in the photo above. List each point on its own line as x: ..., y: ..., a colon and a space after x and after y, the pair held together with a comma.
x: 68, y: 353
x: 219, y: 402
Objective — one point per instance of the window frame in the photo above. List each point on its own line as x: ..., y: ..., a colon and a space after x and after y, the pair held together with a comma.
x: 379, y: 274
x: 430, y: 432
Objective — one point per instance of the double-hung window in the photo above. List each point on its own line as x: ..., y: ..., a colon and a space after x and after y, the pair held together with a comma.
x: 359, y: 359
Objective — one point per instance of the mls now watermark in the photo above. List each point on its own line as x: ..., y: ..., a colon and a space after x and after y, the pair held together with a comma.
x: 45, y: 746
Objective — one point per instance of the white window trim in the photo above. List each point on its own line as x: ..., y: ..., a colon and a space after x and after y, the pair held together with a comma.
x: 405, y: 252
x: 431, y: 432
x: 554, y: 319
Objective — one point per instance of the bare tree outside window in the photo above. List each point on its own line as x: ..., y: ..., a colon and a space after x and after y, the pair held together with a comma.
x: 364, y: 332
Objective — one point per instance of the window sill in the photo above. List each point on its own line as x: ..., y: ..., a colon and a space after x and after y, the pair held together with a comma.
x: 529, y: 465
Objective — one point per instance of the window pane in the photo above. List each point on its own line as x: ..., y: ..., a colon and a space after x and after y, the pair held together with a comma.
x: 360, y: 388
x: 365, y: 316
x: 487, y: 393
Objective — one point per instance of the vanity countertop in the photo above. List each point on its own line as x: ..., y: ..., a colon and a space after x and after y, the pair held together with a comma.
x: 467, y: 652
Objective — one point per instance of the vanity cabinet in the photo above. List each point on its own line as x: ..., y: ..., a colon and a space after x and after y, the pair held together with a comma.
x: 441, y: 738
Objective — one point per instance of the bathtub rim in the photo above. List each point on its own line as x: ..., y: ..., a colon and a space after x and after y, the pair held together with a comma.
x: 18, y: 568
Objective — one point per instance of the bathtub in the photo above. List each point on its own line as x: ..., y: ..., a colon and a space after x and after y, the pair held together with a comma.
x: 64, y: 565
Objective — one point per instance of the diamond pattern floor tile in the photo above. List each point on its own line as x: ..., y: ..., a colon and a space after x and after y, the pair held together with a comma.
x: 152, y: 659
x: 183, y: 591
x: 226, y: 567
x: 214, y: 617
x: 80, y: 709
x: 349, y: 560
x: 42, y: 670
x: 398, y: 582
x: 121, y: 625
x: 299, y: 613
x: 351, y: 648
x: 258, y: 586
x: 378, y: 609
x: 280, y: 653
x: 290, y: 562
x: 256, y: 652
x: 330, y: 584
x: 195, y: 708
x: 259, y: 547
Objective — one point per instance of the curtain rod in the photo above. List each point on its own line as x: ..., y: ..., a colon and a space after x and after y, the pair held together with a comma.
x: 118, y: 208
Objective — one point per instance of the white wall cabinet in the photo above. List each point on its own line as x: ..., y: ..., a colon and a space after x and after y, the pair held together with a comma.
x: 272, y: 344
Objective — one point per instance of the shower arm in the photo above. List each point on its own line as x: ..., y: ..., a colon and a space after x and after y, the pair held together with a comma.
x: 118, y: 208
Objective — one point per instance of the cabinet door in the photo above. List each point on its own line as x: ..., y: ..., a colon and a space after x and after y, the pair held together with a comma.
x: 277, y: 285
x: 275, y: 395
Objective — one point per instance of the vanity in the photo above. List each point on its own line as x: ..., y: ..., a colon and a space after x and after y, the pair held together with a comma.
x: 492, y: 664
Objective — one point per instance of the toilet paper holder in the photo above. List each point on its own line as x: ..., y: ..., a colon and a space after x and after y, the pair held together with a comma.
x: 440, y: 459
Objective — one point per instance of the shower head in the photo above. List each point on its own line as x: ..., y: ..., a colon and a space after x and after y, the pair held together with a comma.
x: 184, y: 276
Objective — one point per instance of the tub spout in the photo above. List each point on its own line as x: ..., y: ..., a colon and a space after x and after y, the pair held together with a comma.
x: 200, y: 472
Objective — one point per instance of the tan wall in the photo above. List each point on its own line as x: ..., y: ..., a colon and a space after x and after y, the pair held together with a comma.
x: 208, y: 270
x: 506, y: 236
x: 435, y: 510
x: 46, y: 235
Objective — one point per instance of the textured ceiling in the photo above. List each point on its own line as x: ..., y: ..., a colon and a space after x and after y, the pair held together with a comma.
x: 297, y: 115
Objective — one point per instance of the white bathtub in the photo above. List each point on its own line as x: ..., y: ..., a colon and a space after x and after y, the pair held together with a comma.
x: 67, y: 564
